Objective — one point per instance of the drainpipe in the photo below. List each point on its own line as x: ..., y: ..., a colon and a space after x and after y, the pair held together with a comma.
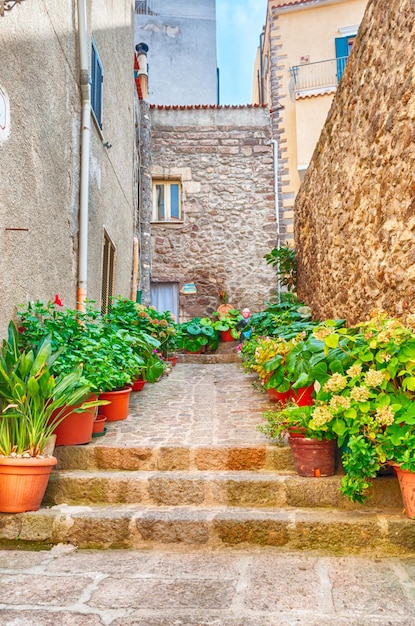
x: 85, y: 154
x: 261, y: 77
x: 277, y: 211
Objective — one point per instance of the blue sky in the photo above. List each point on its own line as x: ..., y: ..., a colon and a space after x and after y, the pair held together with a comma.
x: 239, y: 25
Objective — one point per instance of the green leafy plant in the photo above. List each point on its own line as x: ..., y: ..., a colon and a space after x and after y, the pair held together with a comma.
x: 196, y: 333
x: 229, y: 321
x: 112, y: 350
x: 32, y: 399
x: 283, y: 259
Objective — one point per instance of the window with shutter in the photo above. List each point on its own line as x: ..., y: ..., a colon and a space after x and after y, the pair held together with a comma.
x: 108, y: 274
x: 97, y: 78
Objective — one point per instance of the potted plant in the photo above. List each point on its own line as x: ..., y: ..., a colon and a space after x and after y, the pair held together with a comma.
x: 227, y: 325
x: 313, y: 445
x: 112, y: 355
x: 197, y: 335
x: 370, y: 407
x: 32, y: 403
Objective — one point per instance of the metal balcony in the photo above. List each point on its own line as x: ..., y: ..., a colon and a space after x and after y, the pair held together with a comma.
x: 318, y: 75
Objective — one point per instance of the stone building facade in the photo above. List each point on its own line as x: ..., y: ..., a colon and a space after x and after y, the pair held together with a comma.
x: 304, y: 48
x: 222, y: 158
x: 355, y: 228
x: 40, y: 152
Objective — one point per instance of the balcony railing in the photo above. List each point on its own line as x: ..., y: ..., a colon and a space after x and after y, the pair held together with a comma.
x: 147, y: 7
x: 317, y: 75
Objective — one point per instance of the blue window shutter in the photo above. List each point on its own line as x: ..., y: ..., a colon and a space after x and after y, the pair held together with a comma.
x: 174, y: 201
x: 97, y: 77
x: 342, y: 52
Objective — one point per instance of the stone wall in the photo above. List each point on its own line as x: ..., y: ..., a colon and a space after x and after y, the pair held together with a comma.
x: 224, y: 159
x: 355, y: 212
x: 40, y: 152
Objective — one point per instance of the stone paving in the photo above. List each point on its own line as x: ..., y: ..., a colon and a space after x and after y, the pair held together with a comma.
x: 199, y: 588
x: 201, y: 405
x: 196, y: 405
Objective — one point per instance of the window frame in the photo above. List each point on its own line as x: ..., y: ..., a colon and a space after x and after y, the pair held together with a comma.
x: 167, y: 184
x: 109, y: 258
x: 97, y: 80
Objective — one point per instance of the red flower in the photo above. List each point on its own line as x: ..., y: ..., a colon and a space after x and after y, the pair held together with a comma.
x: 58, y: 301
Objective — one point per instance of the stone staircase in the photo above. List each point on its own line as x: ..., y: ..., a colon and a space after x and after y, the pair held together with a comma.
x: 208, y: 496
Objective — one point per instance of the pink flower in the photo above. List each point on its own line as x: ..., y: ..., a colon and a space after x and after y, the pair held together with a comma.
x: 57, y: 300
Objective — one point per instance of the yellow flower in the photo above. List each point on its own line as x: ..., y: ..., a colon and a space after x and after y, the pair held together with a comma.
x: 385, y: 415
x: 337, y: 382
x: 354, y: 370
x: 359, y: 394
x: 340, y: 402
x: 374, y: 378
x: 321, y: 416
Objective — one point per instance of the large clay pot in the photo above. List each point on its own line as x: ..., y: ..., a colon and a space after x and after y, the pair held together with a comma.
x: 23, y: 482
x: 407, y: 485
x: 303, y: 396
x: 313, y: 457
x: 278, y: 396
x: 76, y: 428
x: 117, y: 409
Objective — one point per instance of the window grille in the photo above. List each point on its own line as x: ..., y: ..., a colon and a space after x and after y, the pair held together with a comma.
x: 108, y: 274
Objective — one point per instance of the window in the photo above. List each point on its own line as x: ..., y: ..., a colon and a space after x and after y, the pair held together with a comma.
x: 166, y: 201
x: 97, y: 77
x: 343, y: 49
x: 108, y: 273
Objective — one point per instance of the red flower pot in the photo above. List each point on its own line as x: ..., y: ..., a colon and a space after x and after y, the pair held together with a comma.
x: 99, y: 424
x: 117, y: 409
x: 313, y: 457
x: 278, y: 396
x: 173, y: 360
x: 138, y: 384
x: 303, y: 396
x: 226, y: 335
x: 23, y: 483
x: 76, y: 428
x: 407, y: 485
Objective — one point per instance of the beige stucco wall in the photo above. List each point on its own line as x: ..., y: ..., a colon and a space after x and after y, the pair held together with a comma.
x: 224, y: 159
x: 355, y: 229
x: 294, y: 33
x: 40, y: 152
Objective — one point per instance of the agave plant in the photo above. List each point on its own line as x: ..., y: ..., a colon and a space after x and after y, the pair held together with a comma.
x: 32, y: 400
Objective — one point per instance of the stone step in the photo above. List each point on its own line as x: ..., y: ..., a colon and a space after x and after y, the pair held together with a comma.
x: 329, y: 531
x: 209, y: 488
x: 169, y: 458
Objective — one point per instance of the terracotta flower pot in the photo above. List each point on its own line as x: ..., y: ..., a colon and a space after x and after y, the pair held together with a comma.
x: 23, y: 483
x: 407, y: 485
x: 99, y: 424
x: 138, y: 384
x: 76, y: 428
x: 313, y: 457
x: 226, y: 335
x: 303, y: 396
x: 278, y: 396
x: 173, y: 360
x: 117, y: 409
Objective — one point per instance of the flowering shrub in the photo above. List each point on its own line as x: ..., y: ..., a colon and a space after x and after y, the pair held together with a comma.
x: 365, y: 400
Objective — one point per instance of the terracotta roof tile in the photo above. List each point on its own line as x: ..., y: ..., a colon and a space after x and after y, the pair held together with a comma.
x: 190, y: 107
x: 293, y: 3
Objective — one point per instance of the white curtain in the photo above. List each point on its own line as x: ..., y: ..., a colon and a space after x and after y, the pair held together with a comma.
x: 165, y: 297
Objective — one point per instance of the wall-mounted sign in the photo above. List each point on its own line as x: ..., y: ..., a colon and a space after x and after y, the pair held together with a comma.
x: 4, y: 116
x: 188, y: 288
